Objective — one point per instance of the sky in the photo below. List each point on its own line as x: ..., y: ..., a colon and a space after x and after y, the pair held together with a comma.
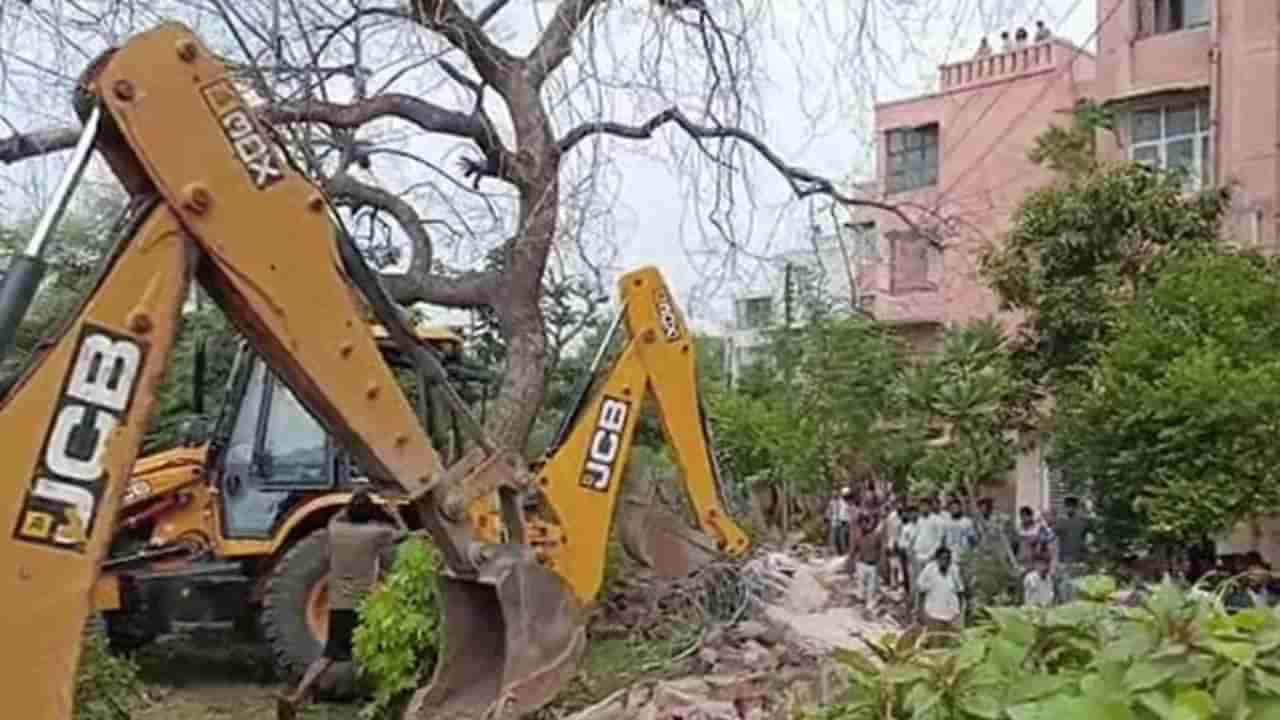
x: 813, y: 100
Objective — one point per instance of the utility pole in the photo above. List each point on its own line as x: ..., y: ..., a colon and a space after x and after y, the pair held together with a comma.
x: 786, y: 294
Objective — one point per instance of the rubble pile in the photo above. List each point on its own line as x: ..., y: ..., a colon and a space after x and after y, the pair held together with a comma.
x: 762, y: 668
x: 744, y: 672
x: 811, y: 601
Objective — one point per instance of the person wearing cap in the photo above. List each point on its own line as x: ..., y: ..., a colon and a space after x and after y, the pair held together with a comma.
x: 360, y: 540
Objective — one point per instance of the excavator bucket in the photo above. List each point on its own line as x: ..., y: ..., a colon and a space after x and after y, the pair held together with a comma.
x: 512, y: 635
x: 662, y: 542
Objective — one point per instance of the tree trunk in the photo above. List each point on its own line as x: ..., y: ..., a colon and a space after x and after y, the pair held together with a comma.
x: 523, y: 384
x: 520, y: 319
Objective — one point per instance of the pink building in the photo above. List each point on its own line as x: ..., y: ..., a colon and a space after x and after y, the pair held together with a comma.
x: 1195, y: 84
x: 1191, y: 83
x: 962, y: 153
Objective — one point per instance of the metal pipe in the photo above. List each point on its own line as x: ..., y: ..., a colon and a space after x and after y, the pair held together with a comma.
x: 71, y: 178
x: 25, y: 272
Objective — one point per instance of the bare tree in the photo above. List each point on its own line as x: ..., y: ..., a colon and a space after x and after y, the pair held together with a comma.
x: 477, y: 132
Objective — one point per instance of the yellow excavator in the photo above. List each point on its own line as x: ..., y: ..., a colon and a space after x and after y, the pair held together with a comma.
x: 72, y: 422
x: 228, y: 529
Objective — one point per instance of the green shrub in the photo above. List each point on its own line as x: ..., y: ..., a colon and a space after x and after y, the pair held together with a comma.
x: 1171, y: 658
x: 107, y: 686
x: 398, y: 635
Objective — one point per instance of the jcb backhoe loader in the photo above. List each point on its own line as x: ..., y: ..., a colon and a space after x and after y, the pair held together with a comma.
x: 206, y: 182
x: 228, y: 528
x: 233, y: 529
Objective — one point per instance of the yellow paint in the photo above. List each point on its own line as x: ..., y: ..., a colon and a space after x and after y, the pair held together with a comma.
x: 106, y: 593
x: 271, y: 264
x: 53, y: 588
x: 657, y: 361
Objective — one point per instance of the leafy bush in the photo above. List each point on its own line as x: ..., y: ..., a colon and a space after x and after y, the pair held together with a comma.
x: 1172, y: 657
x: 107, y: 686
x: 398, y: 636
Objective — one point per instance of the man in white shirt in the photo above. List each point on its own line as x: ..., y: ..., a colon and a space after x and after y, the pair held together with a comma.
x: 958, y: 533
x: 929, y: 533
x: 889, y: 527
x: 942, y: 593
x: 834, y: 510
x: 1037, y: 584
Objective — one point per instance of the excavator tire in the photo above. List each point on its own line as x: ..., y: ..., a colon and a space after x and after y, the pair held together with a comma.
x: 295, y: 644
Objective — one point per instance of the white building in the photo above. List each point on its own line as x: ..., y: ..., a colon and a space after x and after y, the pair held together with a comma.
x: 822, y: 272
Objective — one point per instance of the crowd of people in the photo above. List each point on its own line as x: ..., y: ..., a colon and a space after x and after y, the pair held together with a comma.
x: 920, y: 547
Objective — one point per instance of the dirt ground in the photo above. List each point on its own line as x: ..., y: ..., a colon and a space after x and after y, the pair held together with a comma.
x: 203, y: 678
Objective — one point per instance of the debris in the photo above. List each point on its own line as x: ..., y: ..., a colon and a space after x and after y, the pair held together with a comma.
x: 752, y: 630
x: 761, y: 668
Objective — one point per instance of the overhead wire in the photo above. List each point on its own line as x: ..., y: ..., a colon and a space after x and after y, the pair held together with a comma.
x: 1048, y: 85
x: 996, y: 101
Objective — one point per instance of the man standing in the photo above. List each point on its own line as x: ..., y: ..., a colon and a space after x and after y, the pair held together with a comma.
x: 958, y: 532
x: 866, y: 563
x: 929, y: 534
x: 942, y: 593
x: 358, y: 543
x: 1034, y: 536
x: 903, y: 548
x: 832, y: 520
x: 888, y: 539
x: 844, y: 513
x: 1072, y: 531
x: 1037, y: 586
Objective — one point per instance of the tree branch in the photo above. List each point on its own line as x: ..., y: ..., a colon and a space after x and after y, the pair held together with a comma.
x: 430, y: 117
x: 494, y: 63
x: 804, y: 183
x: 21, y: 146
x: 556, y: 42
x: 418, y: 283
x: 490, y: 11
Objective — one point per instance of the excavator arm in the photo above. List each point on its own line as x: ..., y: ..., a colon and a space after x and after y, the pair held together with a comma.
x: 581, y: 478
x: 230, y: 211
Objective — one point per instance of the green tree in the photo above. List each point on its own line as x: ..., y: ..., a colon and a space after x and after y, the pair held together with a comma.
x: 1073, y: 150
x: 1174, y: 435
x: 204, y: 328
x: 808, y: 417
x: 960, y: 400
x: 1086, y: 245
x: 76, y: 255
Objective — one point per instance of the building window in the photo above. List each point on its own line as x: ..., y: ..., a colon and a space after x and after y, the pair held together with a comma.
x: 866, y: 241
x: 1164, y: 16
x: 1172, y: 15
x: 911, y: 259
x: 912, y: 158
x: 1174, y: 136
x: 755, y: 313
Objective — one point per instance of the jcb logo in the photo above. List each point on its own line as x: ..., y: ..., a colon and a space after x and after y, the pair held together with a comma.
x: 666, y: 315
x: 606, y: 443
x: 62, y: 501
x: 258, y: 156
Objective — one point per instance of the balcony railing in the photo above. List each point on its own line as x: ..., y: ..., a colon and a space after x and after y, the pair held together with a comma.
x: 999, y: 65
